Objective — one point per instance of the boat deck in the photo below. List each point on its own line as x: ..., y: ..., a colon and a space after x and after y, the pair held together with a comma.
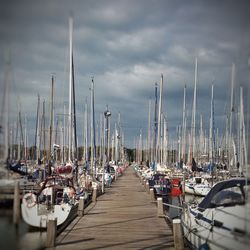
x: 122, y: 218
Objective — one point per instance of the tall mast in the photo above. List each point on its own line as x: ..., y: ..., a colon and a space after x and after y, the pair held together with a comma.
x: 183, y: 139
x: 243, y: 147
x: 37, y: 137
x: 211, y: 133
x: 4, y: 116
x: 230, y: 154
x: 70, y: 86
x: 155, y: 127
x: 51, y: 123
x: 149, y: 131
x: 93, y: 139
x: 159, y: 122
x: 74, y: 117
x: 193, y: 146
x: 86, y: 131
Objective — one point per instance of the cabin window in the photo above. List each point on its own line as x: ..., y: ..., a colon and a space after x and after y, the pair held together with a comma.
x: 228, y: 197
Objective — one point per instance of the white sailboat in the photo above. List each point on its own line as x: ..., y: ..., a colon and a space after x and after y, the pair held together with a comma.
x: 222, y: 219
x: 57, y: 198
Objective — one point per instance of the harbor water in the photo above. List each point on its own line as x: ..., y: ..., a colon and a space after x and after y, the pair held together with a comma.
x: 18, y: 237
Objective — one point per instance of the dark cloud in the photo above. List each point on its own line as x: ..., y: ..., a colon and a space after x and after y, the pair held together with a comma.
x: 126, y: 45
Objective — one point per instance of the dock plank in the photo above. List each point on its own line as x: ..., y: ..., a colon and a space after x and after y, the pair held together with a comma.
x: 122, y: 218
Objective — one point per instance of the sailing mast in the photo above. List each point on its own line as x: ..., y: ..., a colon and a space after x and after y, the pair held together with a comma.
x: 70, y: 87
x: 243, y: 151
x: 183, y: 137
x: 86, y: 132
x: 230, y: 154
x: 51, y: 124
x: 74, y: 118
x: 155, y: 128
x: 193, y: 146
x: 93, y: 137
x: 159, y: 122
x: 149, y: 132
x: 37, y: 139
x: 211, y: 132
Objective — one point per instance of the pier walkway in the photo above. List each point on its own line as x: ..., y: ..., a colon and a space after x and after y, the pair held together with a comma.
x: 122, y: 218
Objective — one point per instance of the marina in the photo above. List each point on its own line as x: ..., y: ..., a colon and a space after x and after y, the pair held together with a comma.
x: 125, y: 125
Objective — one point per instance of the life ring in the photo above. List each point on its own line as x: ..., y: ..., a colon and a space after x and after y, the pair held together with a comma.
x: 29, y: 200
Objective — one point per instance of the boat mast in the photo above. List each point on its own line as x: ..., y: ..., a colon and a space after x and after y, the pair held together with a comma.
x: 193, y: 146
x: 70, y: 87
x: 183, y: 139
x: 211, y: 132
x: 159, y: 122
x: 43, y: 128
x: 37, y: 137
x: 21, y: 136
x: 243, y: 151
x: 93, y: 137
x: 51, y: 124
x: 230, y: 153
x: 155, y: 128
x: 74, y: 118
x: 86, y: 132
x: 149, y: 134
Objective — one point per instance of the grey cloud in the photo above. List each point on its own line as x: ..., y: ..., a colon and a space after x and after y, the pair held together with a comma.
x: 126, y: 45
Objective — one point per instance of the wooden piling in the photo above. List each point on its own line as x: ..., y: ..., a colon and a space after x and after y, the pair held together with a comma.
x: 51, y: 233
x: 94, y: 194
x: 147, y: 187
x: 16, y: 204
x: 152, y: 195
x: 178, y: 237
x: 81, y: 207
x: 160, y: 211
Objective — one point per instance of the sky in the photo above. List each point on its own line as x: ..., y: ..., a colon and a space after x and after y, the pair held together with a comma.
x: 125, y: 45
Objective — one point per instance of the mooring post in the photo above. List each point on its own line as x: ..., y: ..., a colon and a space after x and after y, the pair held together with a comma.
x: 147, y: 187
x: 94, y: 194
x: 81, y: 207
x: 152, y: 195
x: 178, y: 237
x: 16, y: 204
x: 160, y: 211
x: 51, y: 233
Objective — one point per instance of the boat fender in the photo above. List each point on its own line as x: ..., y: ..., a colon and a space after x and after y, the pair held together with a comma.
x: 29, y: 200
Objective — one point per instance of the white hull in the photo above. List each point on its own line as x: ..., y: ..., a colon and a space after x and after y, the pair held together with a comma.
x: 221, y: 219
x: 38, y: 215
x: 197, y: 231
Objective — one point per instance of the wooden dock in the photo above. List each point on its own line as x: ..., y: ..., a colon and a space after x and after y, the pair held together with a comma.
x: 122, y: 218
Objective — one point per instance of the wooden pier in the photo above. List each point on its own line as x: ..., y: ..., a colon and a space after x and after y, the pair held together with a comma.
x: 122, y: 218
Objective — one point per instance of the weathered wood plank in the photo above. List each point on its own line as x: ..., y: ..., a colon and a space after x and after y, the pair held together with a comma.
x: 124, y: 217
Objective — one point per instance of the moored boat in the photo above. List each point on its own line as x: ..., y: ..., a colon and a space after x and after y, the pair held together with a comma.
x: 222, y: 219
x: 55, y: 200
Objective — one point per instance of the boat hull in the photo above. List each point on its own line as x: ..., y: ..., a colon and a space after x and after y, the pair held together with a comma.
x: 39, y: 214
x: 220, y: 229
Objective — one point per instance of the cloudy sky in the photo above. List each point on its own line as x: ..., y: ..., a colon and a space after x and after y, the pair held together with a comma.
x: 125, y: 45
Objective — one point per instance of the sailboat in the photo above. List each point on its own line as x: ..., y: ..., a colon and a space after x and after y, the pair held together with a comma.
x: 58, y: 196
x: 222, y: 219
